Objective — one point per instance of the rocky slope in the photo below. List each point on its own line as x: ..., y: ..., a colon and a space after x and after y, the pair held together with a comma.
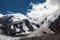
x: 12, y: 26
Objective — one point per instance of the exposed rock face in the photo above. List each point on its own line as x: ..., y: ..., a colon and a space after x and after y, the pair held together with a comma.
x: 11, y: 28
x: 7, y: 23
x: 55, y: 26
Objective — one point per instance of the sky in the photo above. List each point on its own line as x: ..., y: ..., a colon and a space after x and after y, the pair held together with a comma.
x: 17, y: 6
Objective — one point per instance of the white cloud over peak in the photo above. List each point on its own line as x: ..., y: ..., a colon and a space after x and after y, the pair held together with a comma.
x: 41, y: 11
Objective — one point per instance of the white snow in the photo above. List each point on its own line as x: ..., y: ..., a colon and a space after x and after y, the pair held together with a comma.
x: 18, y: 17
x: 1, y: 15
x: 17, y: 29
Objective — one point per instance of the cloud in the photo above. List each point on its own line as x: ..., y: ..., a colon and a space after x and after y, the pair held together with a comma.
x: 41, y: 11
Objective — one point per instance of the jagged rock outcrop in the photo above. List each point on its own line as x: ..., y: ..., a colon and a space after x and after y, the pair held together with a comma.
x: 55, y: 26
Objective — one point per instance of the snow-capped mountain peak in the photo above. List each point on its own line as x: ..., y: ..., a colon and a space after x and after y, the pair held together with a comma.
x: 39, y: 18
x: 18, y: 17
